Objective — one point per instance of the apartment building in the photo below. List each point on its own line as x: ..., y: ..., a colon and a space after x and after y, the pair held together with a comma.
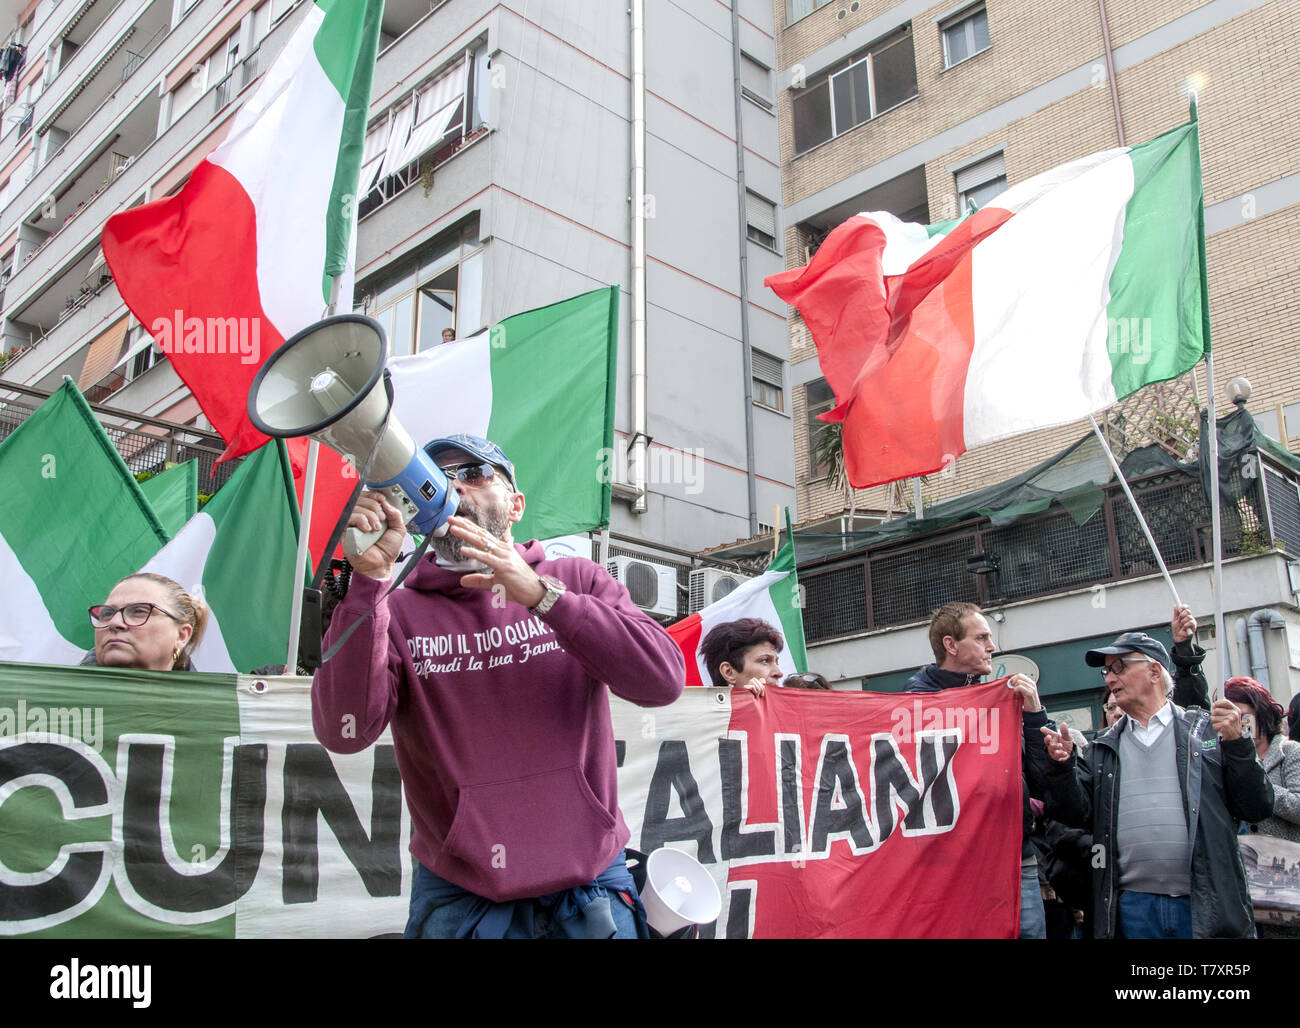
x: 501, y: 173
x: 921, y: 109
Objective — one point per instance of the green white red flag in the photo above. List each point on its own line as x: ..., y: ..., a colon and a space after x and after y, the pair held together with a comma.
x: 1067, y: 292
x: 242, y: 257
x: 773, y: 597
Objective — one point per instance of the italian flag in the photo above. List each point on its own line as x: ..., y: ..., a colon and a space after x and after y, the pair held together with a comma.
x: 1067, y: 292
x: 242, y: 257
x: 72, y: 522
x: 59, y: 468
x: 541, y: 386
x: 238, y: 552
x: 773, y: 597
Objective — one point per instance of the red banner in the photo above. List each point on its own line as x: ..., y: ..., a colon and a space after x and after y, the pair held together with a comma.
x: 837, y: 815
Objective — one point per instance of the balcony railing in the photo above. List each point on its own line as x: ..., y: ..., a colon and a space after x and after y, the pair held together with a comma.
x: 147, y: 446
x: 895, y: 584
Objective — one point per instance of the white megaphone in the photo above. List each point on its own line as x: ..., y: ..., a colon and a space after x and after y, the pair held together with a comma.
x: 325, y: 382
x: 678, y: 892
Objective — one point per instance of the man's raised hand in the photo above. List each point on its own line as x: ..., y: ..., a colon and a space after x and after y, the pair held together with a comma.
x: 372, y: 513
x: 1183, y: 626
x: 1060, y: 744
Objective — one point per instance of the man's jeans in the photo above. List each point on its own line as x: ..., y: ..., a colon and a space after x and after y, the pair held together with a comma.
x: 441, y: 910
x: 1033, y: 919
x: 1146, y: 915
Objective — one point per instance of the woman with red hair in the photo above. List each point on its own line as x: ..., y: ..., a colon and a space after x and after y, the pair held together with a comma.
x: 1262, y: 718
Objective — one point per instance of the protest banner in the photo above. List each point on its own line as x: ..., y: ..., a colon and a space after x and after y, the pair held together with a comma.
x: 171, y: 805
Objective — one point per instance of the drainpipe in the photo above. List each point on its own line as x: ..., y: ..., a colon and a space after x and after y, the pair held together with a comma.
x: 1258, y: 651
x: 1243, y: 652
x: 640, y: 422
x: 1110, y: 70
x: 747, y: 355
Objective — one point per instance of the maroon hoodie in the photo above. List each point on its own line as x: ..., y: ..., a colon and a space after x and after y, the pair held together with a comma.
x: 500, y: 719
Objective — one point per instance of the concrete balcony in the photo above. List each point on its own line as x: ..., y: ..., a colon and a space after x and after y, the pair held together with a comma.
x: 97, y: 123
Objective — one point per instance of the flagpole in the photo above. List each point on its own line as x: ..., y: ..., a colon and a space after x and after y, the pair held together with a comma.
x: 1221, y: 648
x: 304, y: 527
x: 1136, y: 510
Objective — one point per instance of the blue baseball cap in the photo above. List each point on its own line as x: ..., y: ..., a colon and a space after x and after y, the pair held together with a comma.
x: 479, y: 447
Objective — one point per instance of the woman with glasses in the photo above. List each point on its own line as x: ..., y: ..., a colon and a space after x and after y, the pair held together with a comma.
x: 148, y: 623
x: 1262, y: 719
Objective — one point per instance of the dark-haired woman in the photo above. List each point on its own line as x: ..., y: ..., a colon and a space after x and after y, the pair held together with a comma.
x: 1264, y: 716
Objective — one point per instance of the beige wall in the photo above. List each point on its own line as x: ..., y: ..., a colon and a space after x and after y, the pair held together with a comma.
x: 1250, y: 124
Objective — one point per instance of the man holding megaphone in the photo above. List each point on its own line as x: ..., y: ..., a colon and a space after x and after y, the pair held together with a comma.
x: 491, y: 665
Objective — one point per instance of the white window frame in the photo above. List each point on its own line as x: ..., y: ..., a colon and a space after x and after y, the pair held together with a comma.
x: 756, y: 202
x: 761, y: 375
x: 868, y: 57
x: 964, y: 19
x: 976, y: 174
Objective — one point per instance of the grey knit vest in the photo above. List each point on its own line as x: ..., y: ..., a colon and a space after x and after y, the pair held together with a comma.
x: 1152, y: 836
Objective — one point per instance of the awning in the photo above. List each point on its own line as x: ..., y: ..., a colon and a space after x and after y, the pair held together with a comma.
x: 402, y: 119
x: 436, y: 106
x: 101, y: 356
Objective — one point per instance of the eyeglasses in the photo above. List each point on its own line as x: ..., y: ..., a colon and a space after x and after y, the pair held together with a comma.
x: 471, y: 474
x: 1116, y: 667
x: 133, y: 614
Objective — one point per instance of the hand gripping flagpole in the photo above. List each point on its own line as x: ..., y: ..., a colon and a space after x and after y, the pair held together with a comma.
x: 1137, y: 511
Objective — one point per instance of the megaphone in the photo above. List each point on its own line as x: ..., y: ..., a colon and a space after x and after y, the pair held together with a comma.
x: 678, y: 892
x: 326, y: 382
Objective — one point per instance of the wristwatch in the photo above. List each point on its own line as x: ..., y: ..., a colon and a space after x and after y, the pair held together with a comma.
x: 554, y: 588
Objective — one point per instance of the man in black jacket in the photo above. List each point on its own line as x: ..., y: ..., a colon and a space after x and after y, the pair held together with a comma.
x: 963, y: 648
x: 1166, y: 862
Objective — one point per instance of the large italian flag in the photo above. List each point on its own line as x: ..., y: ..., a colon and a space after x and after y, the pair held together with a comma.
x: 541, y: 386
x: 246, y: 250
x: 1067, y: 292
x: 773, y: 597
x: 73, y: 521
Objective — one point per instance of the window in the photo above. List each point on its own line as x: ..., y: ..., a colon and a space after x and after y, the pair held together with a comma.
x: 440, y: 288
x: 1266, y: 421
x: 423, y: 130
x: 796, y: 9
x: 965, y: 35
x: 756, y: 82
x: 760, y: 220
x: 867, y: 85
x: 819, y: 399
x: 980, y: 182
x: 1291, y: 417
x: 768, y: 381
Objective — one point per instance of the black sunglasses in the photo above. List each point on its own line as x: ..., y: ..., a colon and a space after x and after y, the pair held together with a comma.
x: 133, y: 614
x: 472, y: 473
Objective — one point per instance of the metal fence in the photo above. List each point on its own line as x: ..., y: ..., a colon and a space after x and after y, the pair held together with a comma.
x: 147, y: 445
x: 896, y: 583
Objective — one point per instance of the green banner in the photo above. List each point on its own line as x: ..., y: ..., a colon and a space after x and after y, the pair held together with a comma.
x: 164, y: 804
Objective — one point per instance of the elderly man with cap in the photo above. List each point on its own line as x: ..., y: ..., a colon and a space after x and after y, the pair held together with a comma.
x: 1166, y: 862
x: 492, y: 665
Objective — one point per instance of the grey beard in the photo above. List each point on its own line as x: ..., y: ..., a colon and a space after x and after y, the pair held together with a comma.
x: 494, y: 518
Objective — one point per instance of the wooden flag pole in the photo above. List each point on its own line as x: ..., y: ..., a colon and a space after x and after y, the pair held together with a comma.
x: 1136, y: 510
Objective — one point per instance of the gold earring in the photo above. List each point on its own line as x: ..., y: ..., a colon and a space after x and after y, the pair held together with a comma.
x: 176, y: 654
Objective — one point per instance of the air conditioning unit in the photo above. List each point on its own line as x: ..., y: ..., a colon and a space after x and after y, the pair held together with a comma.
x: 653, y: 587
x: 709, y: 585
